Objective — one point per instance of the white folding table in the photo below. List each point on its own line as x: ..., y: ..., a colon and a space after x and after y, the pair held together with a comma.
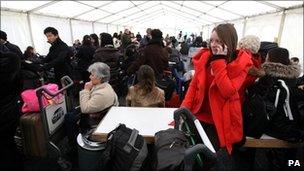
x: 147, y: 121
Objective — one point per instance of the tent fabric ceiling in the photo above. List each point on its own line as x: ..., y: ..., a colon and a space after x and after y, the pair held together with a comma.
x: 137, y: 12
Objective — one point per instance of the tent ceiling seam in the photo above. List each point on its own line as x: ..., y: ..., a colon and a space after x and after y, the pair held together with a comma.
x: 135, y: 13
x: 204, y: 13
x: 218, y: 7
x: 95, y: 8
x: 42, y: 6
x: 194, y: 16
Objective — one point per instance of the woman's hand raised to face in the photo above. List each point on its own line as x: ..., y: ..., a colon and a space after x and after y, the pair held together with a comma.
x: 88, y: 85
x: 221, y: 50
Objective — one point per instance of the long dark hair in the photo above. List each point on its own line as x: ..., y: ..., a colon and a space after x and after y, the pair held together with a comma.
x: 95, y: 37
x: 86, y: 40
x: 228, y: 35
x: 146, y: 79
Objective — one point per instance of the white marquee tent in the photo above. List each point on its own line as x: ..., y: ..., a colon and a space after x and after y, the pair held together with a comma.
x: 280, y: 21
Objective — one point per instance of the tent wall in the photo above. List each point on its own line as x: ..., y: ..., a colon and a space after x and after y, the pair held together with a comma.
x: 16, y: 27
x: 267, y: 27
x: 39, y: 23
x: 112, y: 29
x: 100, y: 28
x: 81, y: 28
x: 292, y: 35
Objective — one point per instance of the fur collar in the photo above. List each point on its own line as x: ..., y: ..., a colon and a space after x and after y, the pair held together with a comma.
x: 281, y: 71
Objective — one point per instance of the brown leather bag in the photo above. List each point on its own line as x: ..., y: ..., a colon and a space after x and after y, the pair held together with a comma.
x: 33, y: 140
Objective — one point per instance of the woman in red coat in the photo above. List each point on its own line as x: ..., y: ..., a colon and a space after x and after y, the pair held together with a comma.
x: 213, y: 95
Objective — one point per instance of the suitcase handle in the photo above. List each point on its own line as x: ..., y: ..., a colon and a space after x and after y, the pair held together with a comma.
x: 66, y: 82
x: 190, y: 154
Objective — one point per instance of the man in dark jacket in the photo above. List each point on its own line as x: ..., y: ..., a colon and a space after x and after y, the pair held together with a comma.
x: 9, y: 109
x: 58, y: 56
x: 154, y: 55
x: 11, y: 47
x: 110, y: 56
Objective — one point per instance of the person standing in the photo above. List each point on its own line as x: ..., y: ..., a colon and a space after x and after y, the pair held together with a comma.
x: 214, y: 92
x: 58, y: 56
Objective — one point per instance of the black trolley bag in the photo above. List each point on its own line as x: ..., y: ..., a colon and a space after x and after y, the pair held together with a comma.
x: 200, y: 145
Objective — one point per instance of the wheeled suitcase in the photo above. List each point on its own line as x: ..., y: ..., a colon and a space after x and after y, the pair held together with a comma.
x: 33, y: 135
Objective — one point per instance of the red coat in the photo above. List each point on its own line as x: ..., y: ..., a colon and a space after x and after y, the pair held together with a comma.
x: 223, y: 97
x: 257, y: 62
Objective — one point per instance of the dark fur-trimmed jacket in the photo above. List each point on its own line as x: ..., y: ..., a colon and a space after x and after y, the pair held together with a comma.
x: 280, y: 126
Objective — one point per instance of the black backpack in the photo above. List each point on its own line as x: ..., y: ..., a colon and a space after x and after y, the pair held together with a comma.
x: 259, y: 109
x: 170, y: 147
x: 125, y: 150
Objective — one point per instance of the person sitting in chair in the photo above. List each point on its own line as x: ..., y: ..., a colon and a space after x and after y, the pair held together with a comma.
x: 97, y: 94
x: 95, y: 100
x: 145, y: 93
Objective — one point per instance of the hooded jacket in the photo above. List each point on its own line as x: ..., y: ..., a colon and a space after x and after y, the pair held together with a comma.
x: 280, y: 126
x: 223, y: 97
